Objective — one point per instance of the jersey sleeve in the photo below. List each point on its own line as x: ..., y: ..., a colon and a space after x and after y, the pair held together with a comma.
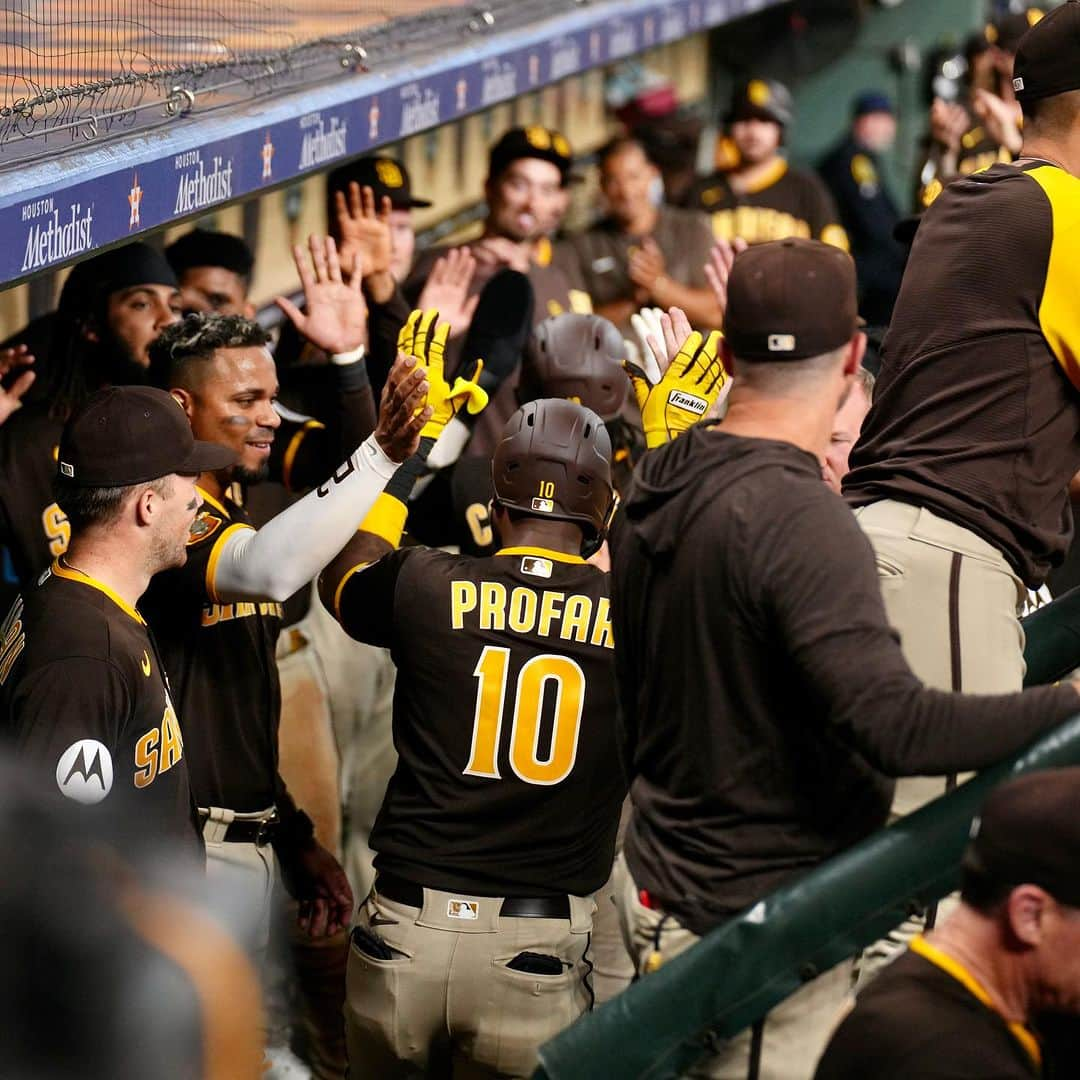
x: 70, y: 715
x: 1059, y: 314
x: 209, y: 533
x: 364, y: 601
x: 822, y: 215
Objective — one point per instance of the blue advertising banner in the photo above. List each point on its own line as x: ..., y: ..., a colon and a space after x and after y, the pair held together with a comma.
x: 54, y: 212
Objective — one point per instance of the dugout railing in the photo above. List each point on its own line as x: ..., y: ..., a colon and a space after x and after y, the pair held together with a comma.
x: 664, y: 1023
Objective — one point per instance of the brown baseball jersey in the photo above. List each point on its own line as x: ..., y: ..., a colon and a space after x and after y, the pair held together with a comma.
x: 85, y: 697
x: 976, y: 413
x: 508, y: 780
x: 977, y: 151
x: 221, y: 660
x: 601, y: 255
x: 32, y: 527
x: 785, y: 202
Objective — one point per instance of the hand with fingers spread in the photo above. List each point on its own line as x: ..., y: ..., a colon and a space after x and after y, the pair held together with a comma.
x: 366, y: 240
x: 424, y: 338
x: 718, y: 268
x: 688, y: 390
x: 403, y: 408
x: 11, y: 396
x: 447, y: 289
x: 334, y: 318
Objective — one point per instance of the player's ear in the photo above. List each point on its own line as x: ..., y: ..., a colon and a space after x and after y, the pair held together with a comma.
x: 145, y: 508
x: 856, y: 352
x: 184, y: 399
x: 727, y: 356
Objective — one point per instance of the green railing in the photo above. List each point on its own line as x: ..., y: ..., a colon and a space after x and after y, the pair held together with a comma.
x: 742, y: 969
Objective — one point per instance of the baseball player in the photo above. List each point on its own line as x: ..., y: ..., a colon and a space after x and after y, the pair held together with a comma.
x: 755, y: 194
x: 213, y: 270
x: 83, y: 690
x: 111, y: 307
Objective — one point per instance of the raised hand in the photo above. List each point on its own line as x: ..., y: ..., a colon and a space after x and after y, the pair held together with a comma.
x: 424, y: 338
x: 718, y: 268
x: 403, y: 408
x: 11, y: 396
x: 690, y: 387
x: 447, y: 289
x: 334, y: 318
x: 366, y: 240
x: 662, y: 334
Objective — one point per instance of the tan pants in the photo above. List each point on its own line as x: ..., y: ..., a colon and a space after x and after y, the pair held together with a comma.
x: 795, y: 1032
x: 240, y: 880
x: 955, y: 602
x: 448, y: 999
x: 613, y: 966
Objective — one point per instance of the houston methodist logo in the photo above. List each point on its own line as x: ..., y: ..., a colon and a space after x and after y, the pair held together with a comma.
x: 197, y: 186
x: 54, y: 236
x: 419, y: 108
x: 321, y: 143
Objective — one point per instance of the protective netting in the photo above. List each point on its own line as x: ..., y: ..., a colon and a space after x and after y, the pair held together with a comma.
x: 73, y: 70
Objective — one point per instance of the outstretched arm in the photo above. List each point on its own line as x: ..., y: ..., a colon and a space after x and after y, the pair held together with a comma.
x: 293, y: 547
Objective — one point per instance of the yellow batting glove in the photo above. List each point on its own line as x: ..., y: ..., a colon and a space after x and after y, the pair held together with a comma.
x: 424, y: 337
x: 685, y: 392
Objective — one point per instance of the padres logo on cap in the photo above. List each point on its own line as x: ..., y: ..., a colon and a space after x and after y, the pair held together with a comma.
x: 538, y: 137
x: 758, y: 92
x: 389, y: 173
x: 560, y: 144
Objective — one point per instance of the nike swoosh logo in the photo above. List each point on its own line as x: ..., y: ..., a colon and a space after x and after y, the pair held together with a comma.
x: 375, y: 920
x: 146, y: 663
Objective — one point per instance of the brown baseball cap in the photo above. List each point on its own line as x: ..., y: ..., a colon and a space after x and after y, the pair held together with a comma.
x: 386, y: 176
x: 533, y: 141
x: 1048, y: 57
x: 130, y: 435
x: 1028, y: 833
x: 790, y: 300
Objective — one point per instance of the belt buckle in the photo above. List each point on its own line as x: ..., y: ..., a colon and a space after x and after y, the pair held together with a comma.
x: 264, y: 833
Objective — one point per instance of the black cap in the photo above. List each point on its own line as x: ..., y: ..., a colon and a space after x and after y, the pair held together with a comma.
x: 1007, y: 31
x: 1048, y: 58
x: 761, y: 99
x: 386, y: 176
x: 203, y: 247
x: 534, y: 141
x: 1028, y: 833
x: 873, y: 101
x: 790, y: 300
x: 130, y: 435
x: 121, y: 268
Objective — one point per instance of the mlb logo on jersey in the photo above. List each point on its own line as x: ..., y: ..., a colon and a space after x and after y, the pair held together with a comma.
x: 531, y: 564
x: 463, y: 909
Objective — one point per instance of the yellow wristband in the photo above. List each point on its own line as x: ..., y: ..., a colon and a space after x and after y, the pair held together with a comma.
x: 386, y: 519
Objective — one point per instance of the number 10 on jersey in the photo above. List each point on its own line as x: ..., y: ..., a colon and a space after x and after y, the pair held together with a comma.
x: 569, y: 687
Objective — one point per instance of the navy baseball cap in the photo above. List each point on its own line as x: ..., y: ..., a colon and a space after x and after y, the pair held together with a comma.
x: 873, y: 101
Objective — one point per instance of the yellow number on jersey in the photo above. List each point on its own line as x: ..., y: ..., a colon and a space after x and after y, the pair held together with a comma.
x: 55, y: 523
x: 569, y: 686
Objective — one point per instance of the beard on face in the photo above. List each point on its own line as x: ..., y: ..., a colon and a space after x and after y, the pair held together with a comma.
x: 247, y: 477
x: 117, y: 364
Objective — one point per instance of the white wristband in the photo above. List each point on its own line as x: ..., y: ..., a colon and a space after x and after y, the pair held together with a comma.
x: 350, y: 357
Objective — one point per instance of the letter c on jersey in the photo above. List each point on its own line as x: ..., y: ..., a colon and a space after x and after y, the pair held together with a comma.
x: 85, y: 772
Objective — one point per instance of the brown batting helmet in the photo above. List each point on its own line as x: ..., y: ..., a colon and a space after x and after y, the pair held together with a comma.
x: 577, y: 357
x: 554, y: 461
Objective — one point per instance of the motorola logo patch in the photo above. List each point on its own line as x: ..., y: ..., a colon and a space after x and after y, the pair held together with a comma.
x: 85, y: 772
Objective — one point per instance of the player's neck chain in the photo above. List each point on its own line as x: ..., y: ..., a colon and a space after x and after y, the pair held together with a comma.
x: 69, y: 565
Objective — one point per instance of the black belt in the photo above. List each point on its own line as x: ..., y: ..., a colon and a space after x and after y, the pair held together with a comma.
x: 249, y: 832
x: 518, y: 907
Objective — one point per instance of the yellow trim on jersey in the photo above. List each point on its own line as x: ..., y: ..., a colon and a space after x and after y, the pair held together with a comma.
x: 341, y: 586
x: 543, y: 553
x: 1059, y: 313
x: 215, y: 555
x: 543, y: 251
x: 294, y: 448
x: 71, y: 574
x: 386, y: 519
x: 580, y: 302
x: 1022, y: 1034
x: 768, y: 178
x: 208, y: 498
